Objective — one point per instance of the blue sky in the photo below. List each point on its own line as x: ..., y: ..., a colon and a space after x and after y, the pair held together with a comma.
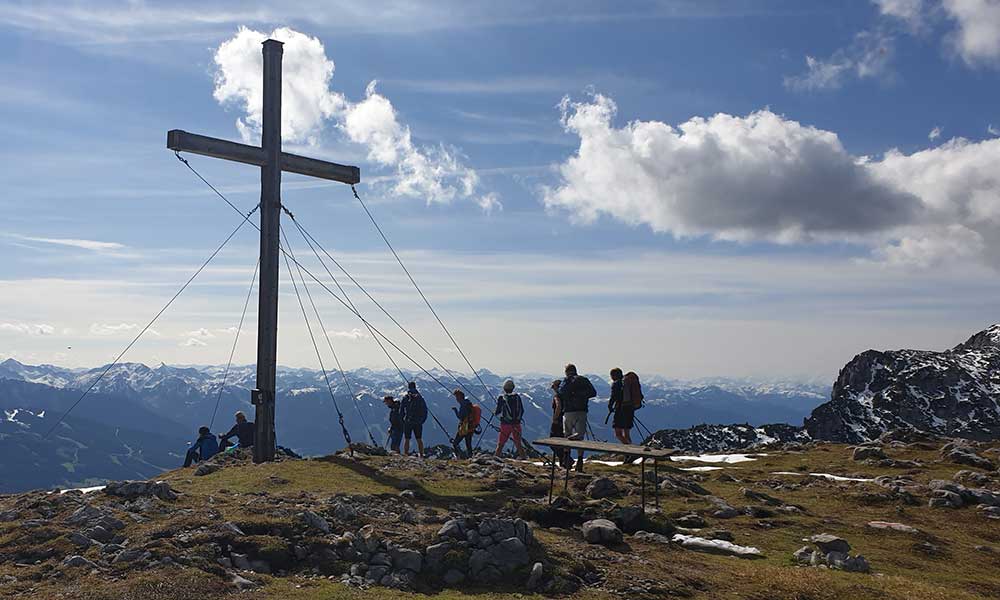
x: 686, y: 188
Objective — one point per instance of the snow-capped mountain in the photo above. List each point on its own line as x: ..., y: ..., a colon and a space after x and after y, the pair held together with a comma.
x: 954, y: 393
x: 726, y: 438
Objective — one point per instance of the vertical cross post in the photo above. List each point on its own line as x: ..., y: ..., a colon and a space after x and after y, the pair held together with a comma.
x: 270, y: 220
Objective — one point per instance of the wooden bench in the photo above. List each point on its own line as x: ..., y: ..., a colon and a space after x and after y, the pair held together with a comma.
x: 631, y: 451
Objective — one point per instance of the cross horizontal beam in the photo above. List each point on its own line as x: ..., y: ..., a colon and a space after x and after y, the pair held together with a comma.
x: 182, y: 141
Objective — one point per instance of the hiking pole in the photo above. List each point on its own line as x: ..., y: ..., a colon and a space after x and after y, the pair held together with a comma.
x: 648, y: 433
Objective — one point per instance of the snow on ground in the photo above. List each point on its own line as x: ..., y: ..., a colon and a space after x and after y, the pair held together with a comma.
x: 706, y: 545
x: 826, y: 476
x: 85, y: 490
x: 705, y: 468
x: 718, y: 458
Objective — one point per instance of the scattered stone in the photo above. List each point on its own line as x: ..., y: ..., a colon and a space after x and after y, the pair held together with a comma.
x: 761, y: 497
x: 78, y: 561
x: 242, y: 583
x: 345, y: 512
x: 79, y: 539
x: 900, y: 527
x: 691, y: 521
x: 206, y: 469
x: 647, y: 536
x: 868, y: 452
x: 535, y: 578
x: 602, y: 531
x: 130, y: 490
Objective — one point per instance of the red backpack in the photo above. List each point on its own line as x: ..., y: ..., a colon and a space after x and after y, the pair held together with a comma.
x: 632, y: 390
x: 475, y: 417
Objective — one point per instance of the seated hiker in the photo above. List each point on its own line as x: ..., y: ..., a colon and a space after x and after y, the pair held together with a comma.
x: 395, y: 423
x: 413, y: 408
x: 624, y: 413
x: 204, y: 448
x: 467, y: 422
x: 511, y: 411
x: 243, y: 430
x: 575, y: 393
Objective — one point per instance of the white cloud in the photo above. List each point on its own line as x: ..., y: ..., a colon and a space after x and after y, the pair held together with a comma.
x: 867, y: 57
x: 201, y: 333
x: 934, y: 134
x: 990, y: 129
x: 764, y: 177
x: 92, y: 245
x: 977, y: 36
x: 735, y: 178
x: 434, y: 173
x: 112, y: 329
x: 28, y: 328
x: 353, y: 334
x: 909, y: 11
x: 193, y: 343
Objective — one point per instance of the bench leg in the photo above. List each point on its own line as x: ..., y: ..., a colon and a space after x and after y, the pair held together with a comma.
x: 552, y: 476
x: 642, y: 468
x: 656, y: 482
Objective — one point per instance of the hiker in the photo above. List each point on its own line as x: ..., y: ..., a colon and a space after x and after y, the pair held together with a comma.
x: 511, y: 411
x: 395, y: 423
x: 624, y: 414
x: 575, y: 393
x: 556, y: 428
x: 413, y: 409
x: 467, y: 423
x: 243, y: 430
x: 204, y: 448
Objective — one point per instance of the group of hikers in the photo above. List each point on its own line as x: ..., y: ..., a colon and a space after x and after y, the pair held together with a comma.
x: 570, y: 406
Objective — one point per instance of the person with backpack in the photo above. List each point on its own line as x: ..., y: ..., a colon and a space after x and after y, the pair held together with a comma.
x: 511, y: 411
x: 556, y: 428
x: 413, y: 409
x: 204, y: 448
x: 468, y: 420
x: 575, y: 393
x: 624, y: 413
x: 395, y: 423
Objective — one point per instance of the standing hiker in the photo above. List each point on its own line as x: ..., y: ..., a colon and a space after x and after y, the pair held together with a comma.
x: 575, y: 393
x: 468, y: 419
x: 414, y: 413
x: 556, y: 428
x: 395, y: 423
x: 511, y: 411
x: 204, y: 448
x: 624, y: 413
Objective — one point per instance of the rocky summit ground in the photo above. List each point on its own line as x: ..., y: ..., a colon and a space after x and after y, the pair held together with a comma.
x: 909, y: 517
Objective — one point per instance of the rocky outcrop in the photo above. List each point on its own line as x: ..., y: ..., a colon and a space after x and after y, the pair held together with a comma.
x: 727, y: 438
x: 955, y: 393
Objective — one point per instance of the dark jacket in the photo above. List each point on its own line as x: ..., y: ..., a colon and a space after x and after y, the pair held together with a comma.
x: 575, y: 393
x: 395, y: 417
x: 510, y: 408
x: 207, y: 446
x: 464, y: 409
x: 243, y: 431
x: 413, y: 408
x: 617, y: 395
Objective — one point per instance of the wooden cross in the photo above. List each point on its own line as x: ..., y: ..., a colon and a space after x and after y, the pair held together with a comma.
x: 272, y: 161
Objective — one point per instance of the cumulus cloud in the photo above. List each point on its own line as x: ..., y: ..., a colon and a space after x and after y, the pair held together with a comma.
x: 193, y: 343
x: 867, y: 57
x: 435, y: 173
x: 736, y: 178
x: 111, y: 328
x: 353, y: 334
x: 201, y: 333
x: 764, y: 177
x: 28, y: 328
x: 977, y: 35
x: 909, y: 11
x: 934, y: 134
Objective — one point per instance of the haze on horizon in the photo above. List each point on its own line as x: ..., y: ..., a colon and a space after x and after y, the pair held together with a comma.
x: 692, y: 189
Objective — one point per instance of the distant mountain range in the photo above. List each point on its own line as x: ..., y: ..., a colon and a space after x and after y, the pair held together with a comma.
x: 138, y: 419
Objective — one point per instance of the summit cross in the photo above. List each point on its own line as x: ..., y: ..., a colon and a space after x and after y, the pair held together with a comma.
x: 272, y: 161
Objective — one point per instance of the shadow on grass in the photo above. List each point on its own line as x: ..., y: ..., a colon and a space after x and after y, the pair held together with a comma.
x: 492, y: 499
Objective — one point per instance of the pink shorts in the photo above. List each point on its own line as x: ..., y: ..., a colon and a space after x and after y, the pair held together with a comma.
x: 506, y: 431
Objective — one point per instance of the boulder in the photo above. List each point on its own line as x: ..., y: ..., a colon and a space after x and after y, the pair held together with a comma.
x: 454, y: 529
x: 242, y: 583
x: 830, y: 543
x: 691, y: 521
x: 345, y: 512
x: 78, y: 561
x: 406, y: 559
x: 130, y: 490
x: 206, y: 469
x: 535, y: 578
x: 900, y: 527
x: 868, y: 452
x: 454, y: 577
x: 315, y: 521
x: 602, y: 531
x: 602, y: 487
